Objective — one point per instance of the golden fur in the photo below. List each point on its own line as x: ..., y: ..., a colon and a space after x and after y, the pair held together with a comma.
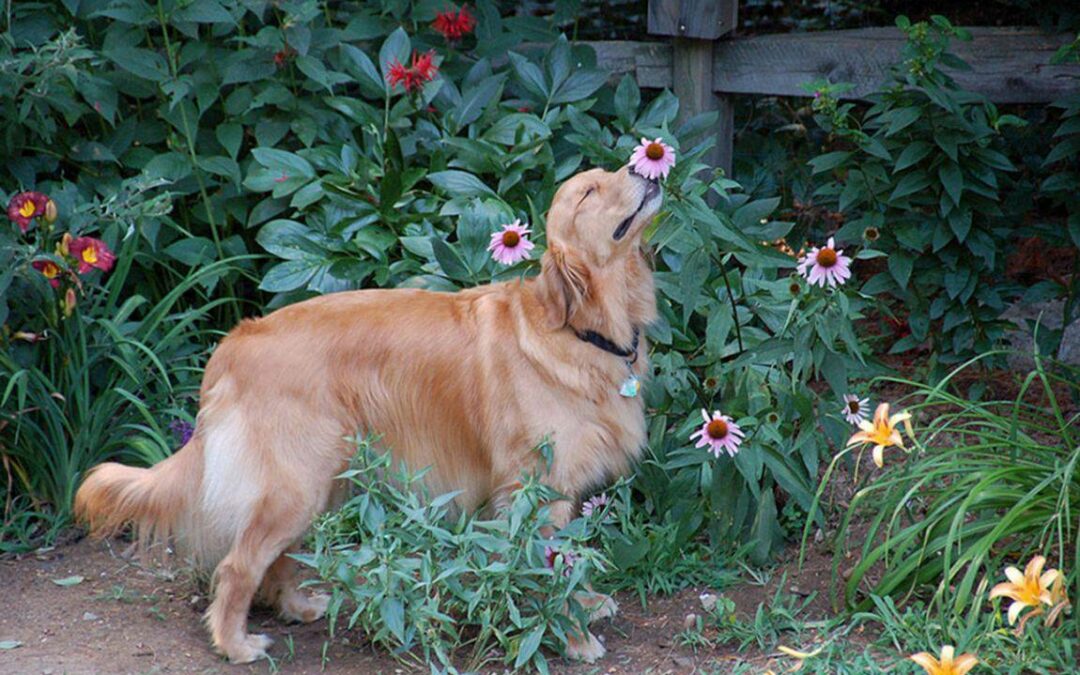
x: 467, y: 383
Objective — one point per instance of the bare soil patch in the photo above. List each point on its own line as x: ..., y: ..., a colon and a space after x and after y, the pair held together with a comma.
x: 126, y: 618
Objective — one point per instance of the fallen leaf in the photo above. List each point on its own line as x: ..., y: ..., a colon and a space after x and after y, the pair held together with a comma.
x: 10, y: 644
x: 69, y: 581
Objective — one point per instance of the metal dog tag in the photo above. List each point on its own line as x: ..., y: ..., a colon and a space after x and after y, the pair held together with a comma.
x: 630, y: 387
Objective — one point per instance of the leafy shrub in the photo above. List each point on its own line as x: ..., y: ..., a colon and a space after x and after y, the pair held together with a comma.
x: 95, y: 370
x: 456, y: 587
x: 924, y: 173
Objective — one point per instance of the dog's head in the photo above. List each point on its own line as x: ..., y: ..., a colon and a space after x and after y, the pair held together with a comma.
x: 594, y: 231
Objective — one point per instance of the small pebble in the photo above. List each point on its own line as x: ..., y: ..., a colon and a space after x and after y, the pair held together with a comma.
x: 89, y: 616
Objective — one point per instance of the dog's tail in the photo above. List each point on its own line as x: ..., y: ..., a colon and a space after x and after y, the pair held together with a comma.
x: 156, y: 501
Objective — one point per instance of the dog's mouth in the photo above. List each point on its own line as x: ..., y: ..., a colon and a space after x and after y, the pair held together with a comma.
x: 652, y: 190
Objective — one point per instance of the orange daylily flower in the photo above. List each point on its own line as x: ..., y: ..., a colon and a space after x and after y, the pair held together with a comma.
x: 1031, y: 588
x: 948, y: 664
x: 883, y: 432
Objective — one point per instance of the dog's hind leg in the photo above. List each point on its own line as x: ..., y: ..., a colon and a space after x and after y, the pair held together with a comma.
x: 275, y: 524
x: 280, y: 590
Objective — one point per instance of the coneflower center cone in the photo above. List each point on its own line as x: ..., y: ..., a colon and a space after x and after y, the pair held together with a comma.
x: 717, y: 429
x: 826, y: 257
x: 654, y: 151
x: 511, y: 238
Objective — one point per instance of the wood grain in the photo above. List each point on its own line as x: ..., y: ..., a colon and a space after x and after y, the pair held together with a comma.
x: 1009, y: 65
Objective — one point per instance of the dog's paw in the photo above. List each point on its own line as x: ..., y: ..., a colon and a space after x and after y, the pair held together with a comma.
x: 251, y: 647
x: 601, y: 606
x: 588, y: 648
x: 302, y: 608
x: 598, y: 605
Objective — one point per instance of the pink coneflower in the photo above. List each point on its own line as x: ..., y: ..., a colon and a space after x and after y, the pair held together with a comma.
x: 594, y: 504
x: 511, y: 244
x: 652, y: 159
x: 718, y: 434
x: 551, y: 556
x: 855, y: 409
x: 825, y: 266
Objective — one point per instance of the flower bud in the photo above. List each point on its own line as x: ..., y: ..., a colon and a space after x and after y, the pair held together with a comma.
x: 50, y: 212
x: 69, y: 303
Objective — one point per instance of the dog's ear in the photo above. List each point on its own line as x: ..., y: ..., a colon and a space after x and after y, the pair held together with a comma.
x: 563, y: 285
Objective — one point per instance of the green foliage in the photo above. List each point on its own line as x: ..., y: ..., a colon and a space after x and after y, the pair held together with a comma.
x: 432, y: 586
x: 923, y: 169
x: 1062, y: 186
x: 95, y: 380
x: 414, y: 201
x: 989, y: 484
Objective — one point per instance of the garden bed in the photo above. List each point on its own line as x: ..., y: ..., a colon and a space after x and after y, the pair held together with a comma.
x: 126, y: 618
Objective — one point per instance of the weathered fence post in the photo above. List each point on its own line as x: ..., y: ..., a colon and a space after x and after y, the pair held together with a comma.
x: 694, y: 25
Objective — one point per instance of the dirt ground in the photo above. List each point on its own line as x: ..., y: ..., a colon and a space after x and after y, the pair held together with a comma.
x: 124, y: 618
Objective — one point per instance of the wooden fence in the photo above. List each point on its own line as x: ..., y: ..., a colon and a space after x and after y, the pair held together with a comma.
x: 706, y: 66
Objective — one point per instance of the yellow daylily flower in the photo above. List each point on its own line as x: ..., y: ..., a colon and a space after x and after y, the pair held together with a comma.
x: 1030, y: 588
x: 948, y: 664
x: 883, y: 432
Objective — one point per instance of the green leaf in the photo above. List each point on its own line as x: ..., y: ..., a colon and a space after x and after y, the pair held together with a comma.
x: 69, y: 581
x: 192, y: 251
x: 529, y: 75
x: 835, y: 371
x: 475, y: 100
x: 230, y: 135
x: 360, y: 65
x: 627, y: 99
x: 203, y: 11
x: 452, y: 264
x: 749, y: 215
x: 289, y: 275
x: 392, y: 612
x: 460, y: 184
x: 901, y: 119
x: 580, y: 85
x: 290, y: 164
x: 221, y: 166
x: 900, y: 265
x: 396, y: 47
x: 529, y: 644
x: 913, y: 182
x: 828, y: 161
x: 10, y: 644
x: 144, y: 63
x: 912, y: 154
x: 952, y: 179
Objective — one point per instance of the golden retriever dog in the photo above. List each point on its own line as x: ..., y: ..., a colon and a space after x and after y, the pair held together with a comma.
x: 467, y: 383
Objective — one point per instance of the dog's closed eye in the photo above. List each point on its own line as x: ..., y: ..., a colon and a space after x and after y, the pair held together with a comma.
x: 586, y: 195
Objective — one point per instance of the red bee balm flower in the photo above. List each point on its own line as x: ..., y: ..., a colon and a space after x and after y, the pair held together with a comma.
x: 50, y: 269
x: 91, y: 253
x: 412, y: 78
x: 454, y: 26
x: 26, y: 206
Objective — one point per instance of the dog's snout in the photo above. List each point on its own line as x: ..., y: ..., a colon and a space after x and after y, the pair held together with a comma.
x: 630, y: 169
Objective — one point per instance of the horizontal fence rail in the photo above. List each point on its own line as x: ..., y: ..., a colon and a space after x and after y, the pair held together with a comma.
x: 1008, y: 65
